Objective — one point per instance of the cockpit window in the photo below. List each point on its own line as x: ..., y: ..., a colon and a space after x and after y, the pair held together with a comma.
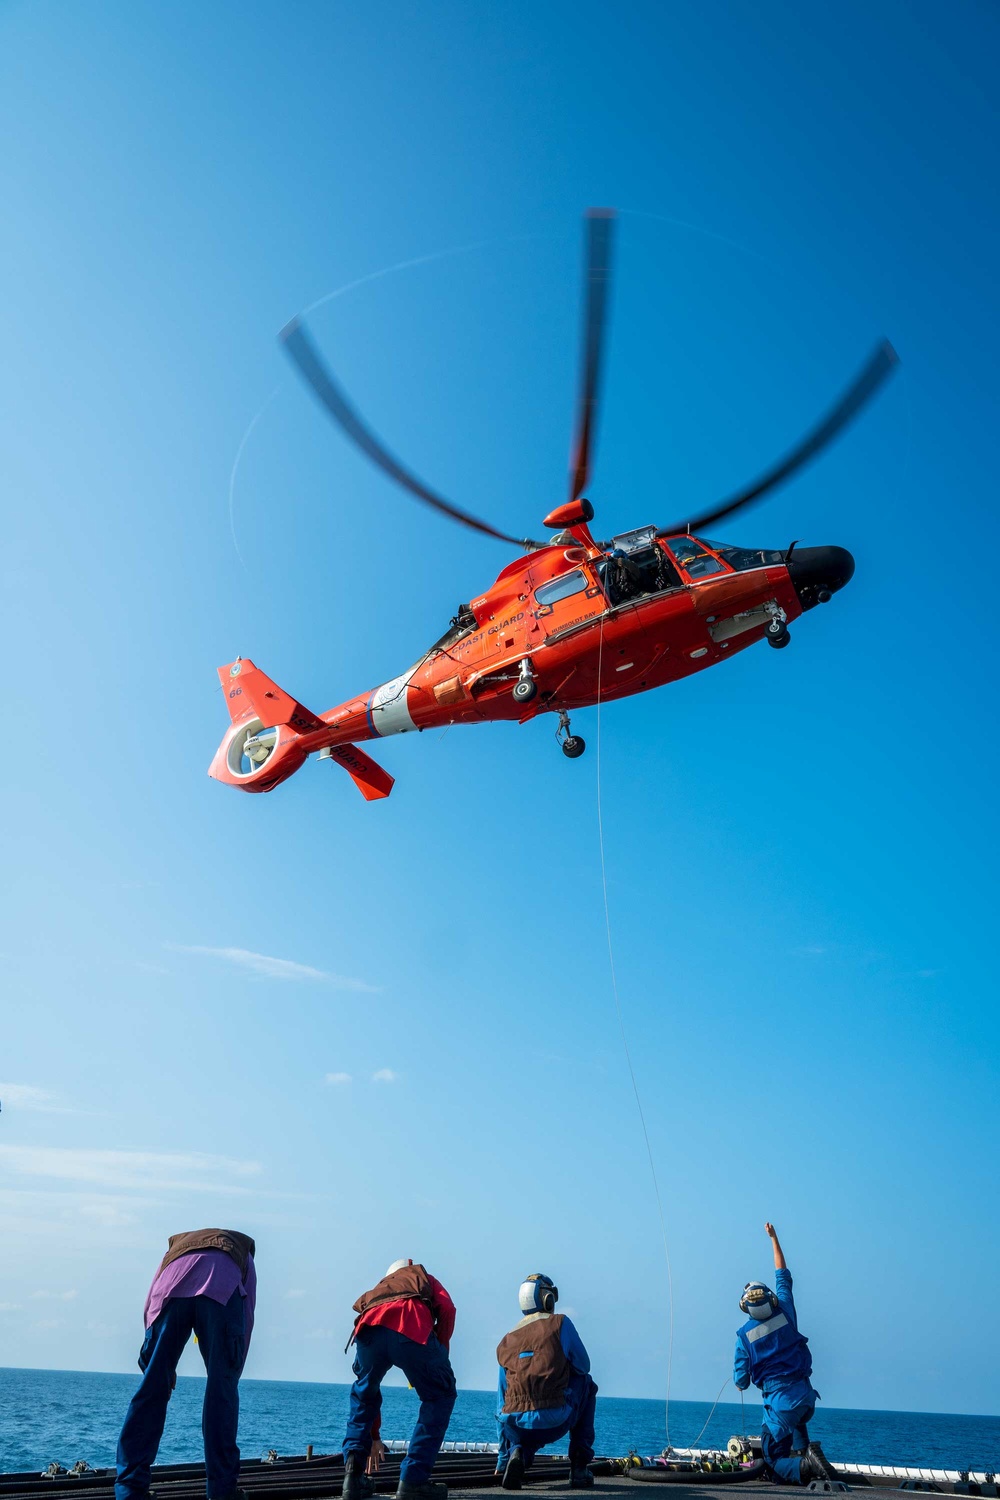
x: 561, y: 588
x: 742, y: 558
x: 692, y: 556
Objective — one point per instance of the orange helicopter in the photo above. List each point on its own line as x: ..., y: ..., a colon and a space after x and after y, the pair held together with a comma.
x: 571, y: 623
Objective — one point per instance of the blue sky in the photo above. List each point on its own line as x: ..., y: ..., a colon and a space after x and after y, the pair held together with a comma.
x: 799, y: 846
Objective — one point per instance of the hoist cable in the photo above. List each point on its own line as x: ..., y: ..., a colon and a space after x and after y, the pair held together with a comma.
x: 628, y: 1055
x: 711, y: 1414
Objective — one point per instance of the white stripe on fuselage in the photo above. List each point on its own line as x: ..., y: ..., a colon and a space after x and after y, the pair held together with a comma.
x: 390, y: 713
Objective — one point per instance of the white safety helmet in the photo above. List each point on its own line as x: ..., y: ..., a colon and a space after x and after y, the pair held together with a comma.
x: 398, y: 1265
x: 537, y: 1293
x: 758, y: 1301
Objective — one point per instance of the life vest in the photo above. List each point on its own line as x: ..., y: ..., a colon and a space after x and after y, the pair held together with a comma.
x: 536, y: 1366
x: 408, y: 1281
x: 778, y: 1353
x: 239, y: 1247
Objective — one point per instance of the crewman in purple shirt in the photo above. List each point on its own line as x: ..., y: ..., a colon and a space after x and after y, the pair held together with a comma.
x: 206, y: 1285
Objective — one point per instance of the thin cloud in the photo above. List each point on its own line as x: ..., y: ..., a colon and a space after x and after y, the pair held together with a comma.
x: 159, y: 1171
x: 53, y: 1296
x: 26, y: 1096
x: 10, y: 1307
x: 384, y: 1075
x: 295, y: 1292
x: 337, y: 1078
x: 277, y: 968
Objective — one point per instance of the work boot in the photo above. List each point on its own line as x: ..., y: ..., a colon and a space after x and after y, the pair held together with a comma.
x: 431, y: 1489
x: 357, y: 1484
x: 580, y: 1476
x: 818, y: 1464
x: 513, y: 1475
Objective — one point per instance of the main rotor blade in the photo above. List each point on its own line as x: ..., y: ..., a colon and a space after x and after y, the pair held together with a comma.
x: 301, y: 350
x: 597, y: 269
x: 880, y: 364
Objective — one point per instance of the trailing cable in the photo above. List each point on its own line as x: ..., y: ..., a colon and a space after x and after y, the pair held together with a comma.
x: 628, y: 1055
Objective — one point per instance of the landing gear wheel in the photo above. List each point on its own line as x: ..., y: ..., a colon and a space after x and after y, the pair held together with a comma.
x: 777, y: 634
x: 525, y: 689
x: 573, y: 746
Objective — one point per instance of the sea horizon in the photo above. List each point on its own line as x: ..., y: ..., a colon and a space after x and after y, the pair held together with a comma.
x: 63, y: 1415
x: 489, y: 1390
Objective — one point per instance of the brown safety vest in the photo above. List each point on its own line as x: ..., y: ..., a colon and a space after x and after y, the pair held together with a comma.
x: 408, y: 1281
x: 239, y: 1247
x: 537, y: 1369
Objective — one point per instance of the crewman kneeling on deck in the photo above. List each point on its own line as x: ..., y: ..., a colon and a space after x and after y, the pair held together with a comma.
x: 774, y: 1355
x: 206, y: 1285
x: 406, y: 1320
x: 545, y: 1388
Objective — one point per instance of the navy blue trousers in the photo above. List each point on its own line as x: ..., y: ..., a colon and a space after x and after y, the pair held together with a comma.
x: 786, y: 1414
x: 580, y: 1427
x: 427, y: 1368
x: 222, y: 1341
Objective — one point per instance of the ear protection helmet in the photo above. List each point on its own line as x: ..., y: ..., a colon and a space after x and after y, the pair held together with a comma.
x: 538, y: 1293
x: 758, y: 1301
x: 398, y: 1265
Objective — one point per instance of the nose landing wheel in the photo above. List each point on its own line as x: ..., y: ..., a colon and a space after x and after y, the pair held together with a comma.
x: 573, y: 745
x: 777, y: 633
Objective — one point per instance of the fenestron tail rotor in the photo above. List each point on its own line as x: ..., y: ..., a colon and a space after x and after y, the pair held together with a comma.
x: 597, y: 280
x: 330, y: 394
x: 880, y: 364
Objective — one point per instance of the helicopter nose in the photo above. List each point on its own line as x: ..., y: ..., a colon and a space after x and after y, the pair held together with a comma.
x: 818, y: 572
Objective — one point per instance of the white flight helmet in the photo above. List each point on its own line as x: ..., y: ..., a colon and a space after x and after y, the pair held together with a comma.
x: 398, y: 1265
x: 758, y: 1301
x: 537, y: 1293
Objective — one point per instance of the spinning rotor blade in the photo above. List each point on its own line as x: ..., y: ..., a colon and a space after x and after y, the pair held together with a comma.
x: 880, y: 364
x: 600, y: 234
x: 301, y: 350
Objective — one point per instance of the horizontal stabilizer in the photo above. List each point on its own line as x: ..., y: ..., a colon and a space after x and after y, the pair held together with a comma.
x: 247, y: 689
x: 370, y: 779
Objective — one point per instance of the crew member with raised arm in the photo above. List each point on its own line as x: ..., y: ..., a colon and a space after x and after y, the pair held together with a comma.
x: 545, y: 1388
x: 406, y: 1320
x: 773, y: 1355
x: 206, y: 1285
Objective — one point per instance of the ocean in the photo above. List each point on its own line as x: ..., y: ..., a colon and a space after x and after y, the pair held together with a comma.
x: 65, y: 1415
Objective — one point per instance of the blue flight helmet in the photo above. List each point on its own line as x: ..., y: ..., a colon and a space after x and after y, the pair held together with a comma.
x: 538, y: 1293
x: 758, y: 1301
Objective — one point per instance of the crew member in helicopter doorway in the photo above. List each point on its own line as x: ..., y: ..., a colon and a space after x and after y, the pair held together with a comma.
x: 206, y: 1285
x: 773, y: 1355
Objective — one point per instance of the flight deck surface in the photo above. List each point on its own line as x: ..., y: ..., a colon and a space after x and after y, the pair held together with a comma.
x: 466, y: 1474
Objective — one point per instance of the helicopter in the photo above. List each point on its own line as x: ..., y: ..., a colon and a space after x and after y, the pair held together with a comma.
x: 572, y: 622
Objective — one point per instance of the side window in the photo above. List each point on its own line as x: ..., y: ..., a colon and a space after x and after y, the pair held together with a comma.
x: 561, y: 588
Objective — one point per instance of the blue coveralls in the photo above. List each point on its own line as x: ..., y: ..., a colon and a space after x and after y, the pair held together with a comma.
x: 221, y: 1335
x: 427, y: 1368
x: 531, y: 1430
x: 775, y: 1356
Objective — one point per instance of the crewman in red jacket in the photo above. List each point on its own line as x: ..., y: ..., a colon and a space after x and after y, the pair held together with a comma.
x: 406, y: 1320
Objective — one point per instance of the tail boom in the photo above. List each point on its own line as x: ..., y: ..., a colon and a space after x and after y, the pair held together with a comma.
x: 272, y: 735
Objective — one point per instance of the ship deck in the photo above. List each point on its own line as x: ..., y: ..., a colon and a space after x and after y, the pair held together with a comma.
x: 466, y: 1474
